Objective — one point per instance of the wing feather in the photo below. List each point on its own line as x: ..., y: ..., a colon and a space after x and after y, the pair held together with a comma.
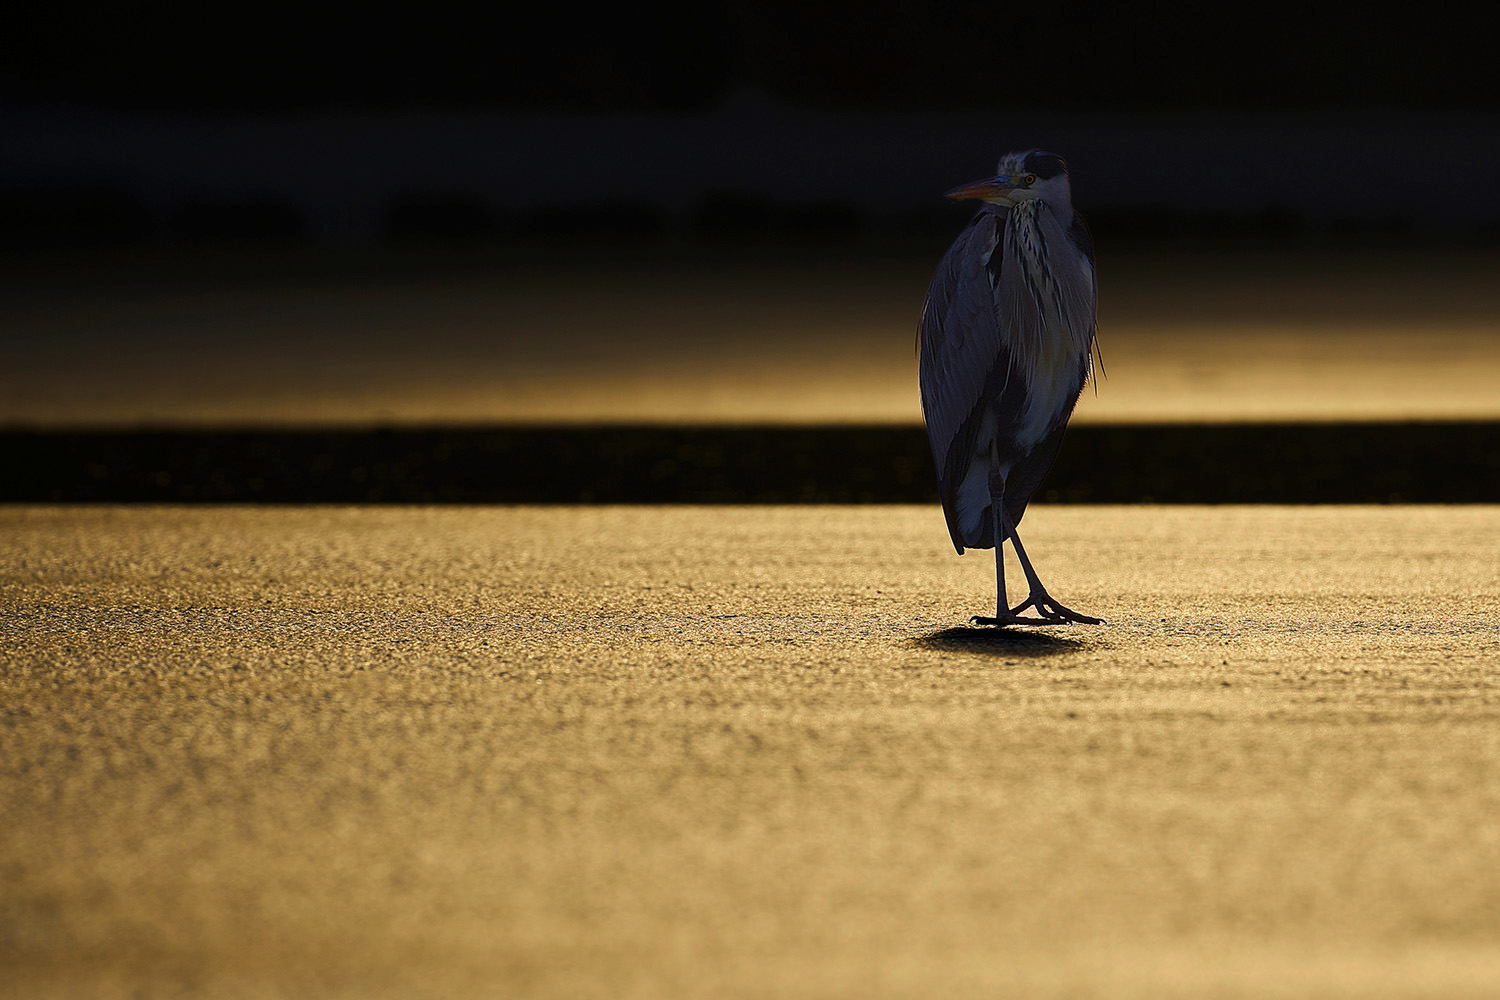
x: 960, y: 351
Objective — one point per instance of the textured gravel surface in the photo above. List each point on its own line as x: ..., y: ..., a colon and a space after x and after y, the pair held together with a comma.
x: 746, y: 752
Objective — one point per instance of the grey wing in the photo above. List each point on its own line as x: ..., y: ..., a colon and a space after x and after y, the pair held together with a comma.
x: 1027, y: 474
x: 961, y: 348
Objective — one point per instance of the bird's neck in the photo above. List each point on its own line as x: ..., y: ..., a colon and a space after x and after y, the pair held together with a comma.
x: 1032, y: 208
x: 1026, y: 239
x: 1051, y: 339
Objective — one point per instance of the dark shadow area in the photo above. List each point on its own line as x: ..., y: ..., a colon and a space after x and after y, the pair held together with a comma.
x: 49, y: 217
x: 1167, y: 226
x: 250, y: 220
x: 37, y: 217
x: 589, y: 220
x: 999, y: 641
x: 423, y: 216
x: 1447, y: 462
x: 739, y: 215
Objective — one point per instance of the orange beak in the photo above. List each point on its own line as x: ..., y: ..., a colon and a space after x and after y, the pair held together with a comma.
x: 982, y: 190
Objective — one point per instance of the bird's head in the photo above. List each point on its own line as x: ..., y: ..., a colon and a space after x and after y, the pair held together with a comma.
x: 1030, y: 175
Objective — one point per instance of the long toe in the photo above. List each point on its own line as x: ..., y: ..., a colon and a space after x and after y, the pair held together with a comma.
x: 1041, y: 602
x: 1015, y: 619
x: 1065, y: 615
x: 1043, y: 615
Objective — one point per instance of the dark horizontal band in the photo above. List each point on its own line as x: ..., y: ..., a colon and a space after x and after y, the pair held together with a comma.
x: 1176, y: 463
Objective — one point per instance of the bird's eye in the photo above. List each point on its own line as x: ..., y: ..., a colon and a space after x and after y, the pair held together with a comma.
x: 1030, y: 179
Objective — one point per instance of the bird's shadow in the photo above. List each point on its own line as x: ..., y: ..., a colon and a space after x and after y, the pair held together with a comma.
x: 999, y: 642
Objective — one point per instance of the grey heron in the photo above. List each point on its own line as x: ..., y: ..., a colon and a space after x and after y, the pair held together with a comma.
x: 1005, y: 346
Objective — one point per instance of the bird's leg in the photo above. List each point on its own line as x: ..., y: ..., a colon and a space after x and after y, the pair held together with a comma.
x: 997, y: 505
x: 1002, y: 602
x: 1051, y: 611
x: 1004, y: 615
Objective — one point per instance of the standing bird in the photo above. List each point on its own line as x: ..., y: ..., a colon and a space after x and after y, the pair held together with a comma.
x: 1005, y: 344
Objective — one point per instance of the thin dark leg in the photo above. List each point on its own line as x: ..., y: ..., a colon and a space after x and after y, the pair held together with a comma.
x: 1031, y: 577
x: 1002, y: 603
x: 997, y: 515
x: 1050, y: 610
x: 1003, y: 613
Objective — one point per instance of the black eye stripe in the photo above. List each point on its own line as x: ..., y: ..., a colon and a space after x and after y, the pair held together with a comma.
x: 1045, y: 165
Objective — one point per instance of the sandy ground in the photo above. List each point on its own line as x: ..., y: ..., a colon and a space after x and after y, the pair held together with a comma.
x: 807, y: 336
x: 746, y: 752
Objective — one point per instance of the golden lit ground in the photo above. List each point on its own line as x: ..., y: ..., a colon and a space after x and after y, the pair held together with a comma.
x: 816, y: 337
x: 737, y: 752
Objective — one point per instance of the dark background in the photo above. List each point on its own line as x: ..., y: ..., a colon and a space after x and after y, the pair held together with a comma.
x: 187, y: 123
x: 881, y: 55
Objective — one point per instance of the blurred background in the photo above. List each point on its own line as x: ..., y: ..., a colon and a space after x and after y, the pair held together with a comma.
x: 280, y: 219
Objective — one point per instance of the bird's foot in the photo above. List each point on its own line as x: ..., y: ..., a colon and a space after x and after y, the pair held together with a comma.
x: 1011, y: 619
x: 1052, y: 612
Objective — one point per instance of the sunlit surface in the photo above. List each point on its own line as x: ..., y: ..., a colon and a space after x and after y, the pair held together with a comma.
x: 733, y: 752
x: 819, y: 338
